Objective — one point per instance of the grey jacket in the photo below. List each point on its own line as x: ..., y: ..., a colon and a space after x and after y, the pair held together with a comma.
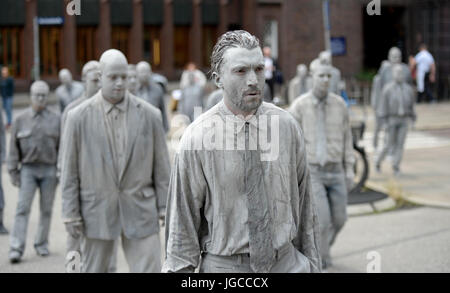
x: 108, y: 203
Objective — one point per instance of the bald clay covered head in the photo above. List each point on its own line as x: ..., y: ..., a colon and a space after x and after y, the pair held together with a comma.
x: 91, y: 78
x: 144, y: 72
x: 321, y: 80
x: 114, y: 71
x: 39, y: 95
x: 65, y: 77
x: 395, y: 55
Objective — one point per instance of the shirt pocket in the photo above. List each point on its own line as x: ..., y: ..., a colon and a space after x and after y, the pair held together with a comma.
x: 25, y: 140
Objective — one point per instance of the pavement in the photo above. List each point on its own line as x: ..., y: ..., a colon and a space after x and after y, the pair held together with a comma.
x: 424, y: 168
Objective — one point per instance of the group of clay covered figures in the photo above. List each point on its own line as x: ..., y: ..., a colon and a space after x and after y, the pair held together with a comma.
x: 223, y: 211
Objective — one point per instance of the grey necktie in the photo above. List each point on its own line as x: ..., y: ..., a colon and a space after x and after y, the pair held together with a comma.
x: 262, y: 254
x: 321, y: 135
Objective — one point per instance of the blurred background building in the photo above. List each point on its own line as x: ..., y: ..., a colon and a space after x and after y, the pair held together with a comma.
x: 170, y: 33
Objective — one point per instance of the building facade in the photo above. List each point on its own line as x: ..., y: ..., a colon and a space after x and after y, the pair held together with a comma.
x: 171, y: 33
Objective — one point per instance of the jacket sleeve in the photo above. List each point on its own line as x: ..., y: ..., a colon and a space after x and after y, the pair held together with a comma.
x: 70, y: 181
x: 308, y: 229
x: 161, y: 166
x: 187, y: 192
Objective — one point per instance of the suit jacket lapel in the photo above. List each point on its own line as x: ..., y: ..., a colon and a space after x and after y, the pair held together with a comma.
x: 134, y: 124
x: 100, y: 129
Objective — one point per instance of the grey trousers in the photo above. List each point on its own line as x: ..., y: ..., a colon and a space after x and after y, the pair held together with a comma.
x: 330, y: 191
x: 289, y: 260
x: 376, y: 133
x: 397, y: 129
x: 74, y: 244
x: 142, y: 255
x: 32, y: 177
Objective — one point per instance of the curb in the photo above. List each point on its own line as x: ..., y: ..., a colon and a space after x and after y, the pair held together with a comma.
x: 406, y: 196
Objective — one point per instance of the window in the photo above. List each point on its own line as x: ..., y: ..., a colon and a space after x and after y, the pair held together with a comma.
x: 50, y: 50
x: 181, y: 46
x: 85, y: 45
x: 152, y: 45
x: 11, y: 42
x: 209, y: 40
x: 119, y: 39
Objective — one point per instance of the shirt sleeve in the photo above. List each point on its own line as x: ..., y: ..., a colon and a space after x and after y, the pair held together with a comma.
x: 349, y: 158
x: 14, y: 152
x: 187, y: 192
x: 308, y: 228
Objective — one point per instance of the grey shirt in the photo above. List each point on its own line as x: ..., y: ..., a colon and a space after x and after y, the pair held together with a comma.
x: 154, y: 95
x: 191, y: 97
x: 397, y: 100
x: 116, y: 130
x: 67, y: 95
x: 34, y: 139
x: 207, y: 209
x: 337, y: 127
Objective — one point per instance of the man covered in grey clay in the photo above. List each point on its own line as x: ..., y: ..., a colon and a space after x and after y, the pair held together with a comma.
x: 191, y: 97
x: 132, y: 81
x: 115, y: 173
x: 69, y: 90
x: 385, y: 76
x: 150, y: 91
x: 324, y: 118
x: 90, y: 75
x: 242, y: 205
x: 300, y: 84
x: 33, y: 153
x: 396, y: 111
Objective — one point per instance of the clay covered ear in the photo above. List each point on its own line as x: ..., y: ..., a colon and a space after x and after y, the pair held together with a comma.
x: 216, y: 79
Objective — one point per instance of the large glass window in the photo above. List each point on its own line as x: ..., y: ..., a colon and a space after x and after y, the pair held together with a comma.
x: 50, y: 50
x: 209, y: 40
x: 11, y: 42
x: 152, y: 45
x: 119, y: 39
x: 181, y: 46
x: 85, y: 45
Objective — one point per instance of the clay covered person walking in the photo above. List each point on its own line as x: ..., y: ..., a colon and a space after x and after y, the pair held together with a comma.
x: 324, y: 118
x: 150, y: 91
x: 397, y: 112
x: 236, y: 201
x: 32, y: 158
x: 69, y: 90
x: 115, y: 173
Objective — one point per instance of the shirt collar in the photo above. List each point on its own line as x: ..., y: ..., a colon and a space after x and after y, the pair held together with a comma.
x: 317, y: 101
x: 240, y: 120
x: 122, y: 106
x: 35, y: 113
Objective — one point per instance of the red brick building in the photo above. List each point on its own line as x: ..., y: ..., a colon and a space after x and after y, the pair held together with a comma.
x: 170, y: 33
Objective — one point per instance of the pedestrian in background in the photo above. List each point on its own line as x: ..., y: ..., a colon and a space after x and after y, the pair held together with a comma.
x: 7, y: 91
x: 33, y: 153
x: 425, y: 72
x: 324, y: 118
